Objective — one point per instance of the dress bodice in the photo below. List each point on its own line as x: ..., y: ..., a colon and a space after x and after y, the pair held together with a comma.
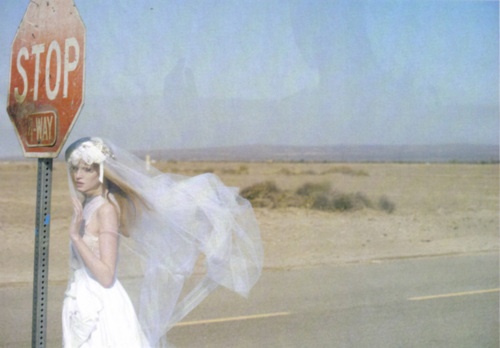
x: 95, y: 316
x: 89, y: 209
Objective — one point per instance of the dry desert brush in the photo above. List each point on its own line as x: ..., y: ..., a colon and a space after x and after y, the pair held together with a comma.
x: 319, y: 196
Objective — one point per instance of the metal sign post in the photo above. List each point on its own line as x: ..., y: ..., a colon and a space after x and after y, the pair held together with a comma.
x: 45, y: 97
x: 41, y: 261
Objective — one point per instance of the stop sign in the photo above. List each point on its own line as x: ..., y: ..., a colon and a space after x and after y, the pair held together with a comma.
x: 46, y: 76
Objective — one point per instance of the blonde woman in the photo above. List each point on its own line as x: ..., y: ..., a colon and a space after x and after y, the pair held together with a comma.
x: 170, y: 220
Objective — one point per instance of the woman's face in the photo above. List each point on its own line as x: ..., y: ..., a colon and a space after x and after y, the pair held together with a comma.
x: 86, y: 178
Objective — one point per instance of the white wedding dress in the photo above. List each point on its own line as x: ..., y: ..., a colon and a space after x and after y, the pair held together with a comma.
x: 94, y: 316
x: 185, y: 225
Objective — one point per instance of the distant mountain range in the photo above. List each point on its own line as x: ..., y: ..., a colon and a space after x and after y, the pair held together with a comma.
x: 462, y: 153
x: 337, y: 153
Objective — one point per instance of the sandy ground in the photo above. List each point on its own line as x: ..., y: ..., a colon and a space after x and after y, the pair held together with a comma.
x: 440, y: 209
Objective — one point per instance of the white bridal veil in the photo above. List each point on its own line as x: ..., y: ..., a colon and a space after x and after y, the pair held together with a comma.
x: 190, y: 221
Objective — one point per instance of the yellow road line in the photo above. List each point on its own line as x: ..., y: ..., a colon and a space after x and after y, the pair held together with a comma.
x: 221, y: 320
x: 465, y: 293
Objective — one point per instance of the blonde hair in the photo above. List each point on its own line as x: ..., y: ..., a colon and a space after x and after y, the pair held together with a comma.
x: 130, y: 202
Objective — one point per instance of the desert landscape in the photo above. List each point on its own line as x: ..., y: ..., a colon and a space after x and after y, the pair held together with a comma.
x: 434, y: 209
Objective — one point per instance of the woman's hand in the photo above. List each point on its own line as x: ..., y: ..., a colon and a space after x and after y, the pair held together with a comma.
x: 76, y: 221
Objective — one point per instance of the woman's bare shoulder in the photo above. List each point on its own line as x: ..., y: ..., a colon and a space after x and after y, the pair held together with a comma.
x: 107, y: 211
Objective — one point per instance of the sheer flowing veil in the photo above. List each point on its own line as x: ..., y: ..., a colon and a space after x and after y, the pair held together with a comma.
x: 185, y: 222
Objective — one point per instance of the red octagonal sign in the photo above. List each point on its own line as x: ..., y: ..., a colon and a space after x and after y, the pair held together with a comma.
x: 47, y: 76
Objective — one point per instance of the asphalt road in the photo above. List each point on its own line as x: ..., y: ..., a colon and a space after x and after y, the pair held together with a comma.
x: 450, y: 301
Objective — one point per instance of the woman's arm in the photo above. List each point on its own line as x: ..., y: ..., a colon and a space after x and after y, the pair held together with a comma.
x: 102, y: 268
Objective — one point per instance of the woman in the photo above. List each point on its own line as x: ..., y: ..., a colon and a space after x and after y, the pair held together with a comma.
x: 170, y: 220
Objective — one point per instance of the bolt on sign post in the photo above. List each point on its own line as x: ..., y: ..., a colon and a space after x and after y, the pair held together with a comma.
x: 45, y: 97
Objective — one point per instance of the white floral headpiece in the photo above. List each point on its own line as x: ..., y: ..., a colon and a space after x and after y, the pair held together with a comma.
x: 93, y: 151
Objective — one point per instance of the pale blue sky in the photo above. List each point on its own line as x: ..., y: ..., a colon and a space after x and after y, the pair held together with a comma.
x: 215, y: 73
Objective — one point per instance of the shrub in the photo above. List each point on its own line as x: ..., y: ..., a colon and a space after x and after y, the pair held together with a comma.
x: 260, y: 190
x: 342, y: 202
x: 242, y: 169
x: 286, y: 171
x: 386, y: 205
x: 321, y: 202
x: 362, y: 200
x: 346, y: 171
x: 309, y: 172
x: 312, y: 196
x: 313, y: 189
